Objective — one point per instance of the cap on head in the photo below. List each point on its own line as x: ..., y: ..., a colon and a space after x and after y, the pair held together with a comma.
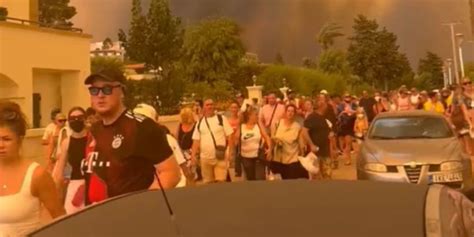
x: 145, y: 110
x: 108, y: 74
x: 324, y: 92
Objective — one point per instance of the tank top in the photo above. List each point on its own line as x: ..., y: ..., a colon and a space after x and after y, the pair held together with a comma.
x: 403, y: 104
x: 250, y: 141
x: 185, y: 139
x: 75, y: 154
x: 20, y: 212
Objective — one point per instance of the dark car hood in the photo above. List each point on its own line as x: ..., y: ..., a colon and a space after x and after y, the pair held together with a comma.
x: 399, y: 152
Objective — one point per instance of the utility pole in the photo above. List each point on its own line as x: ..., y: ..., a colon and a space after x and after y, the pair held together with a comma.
x: 453, y: 42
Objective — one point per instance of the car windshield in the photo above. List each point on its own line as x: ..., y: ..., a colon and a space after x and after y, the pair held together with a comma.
x: 410, y: 128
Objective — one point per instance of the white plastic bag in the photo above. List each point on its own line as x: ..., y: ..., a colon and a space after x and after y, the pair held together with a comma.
x: 310, y: 162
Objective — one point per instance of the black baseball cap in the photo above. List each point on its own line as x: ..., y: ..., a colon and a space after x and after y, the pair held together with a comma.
x: 109, y: 74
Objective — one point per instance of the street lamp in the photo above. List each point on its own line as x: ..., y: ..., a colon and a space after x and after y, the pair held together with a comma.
x: 450, y: 77
x: 453, y: 42
x: 460, y: 37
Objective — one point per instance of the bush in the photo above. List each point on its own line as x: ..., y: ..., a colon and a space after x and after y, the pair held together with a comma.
x: 302, y: 80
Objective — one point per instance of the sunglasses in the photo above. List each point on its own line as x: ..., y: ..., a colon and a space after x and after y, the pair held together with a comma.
x: 467, y: 83
x: 62, y: 120
x: 77, y: 118
x: 10, y: 115
x: 106, y: 90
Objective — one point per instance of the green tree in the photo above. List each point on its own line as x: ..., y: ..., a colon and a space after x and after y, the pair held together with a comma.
x: 56, y: 13
x: 279, y: 59
x: 373, y: 54
x: 327, y: 35
x: 101, y: 63
x: 107, y: 44
x: 309, y: 63
x: 212, y: 50
x: 432, y: 64
x: 134, y: 43
x: 333, y: 61
x: 156, y: 40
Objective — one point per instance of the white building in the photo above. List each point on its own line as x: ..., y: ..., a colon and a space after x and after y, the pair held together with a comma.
x: 114, y: 49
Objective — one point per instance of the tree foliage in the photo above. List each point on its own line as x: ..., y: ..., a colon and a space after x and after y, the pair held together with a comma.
x: 327, y: 35
x: 56, y: 13
x: 373, y: 54
x: 334, y: 61
x: 304, y: 81
x: 212, y: 50
x: 432, y: 64
x: 279, y: 59
x: 101, y: 63
x: 154, y: 39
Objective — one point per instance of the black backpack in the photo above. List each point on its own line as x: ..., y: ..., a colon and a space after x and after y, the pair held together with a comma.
x: 219, y: 117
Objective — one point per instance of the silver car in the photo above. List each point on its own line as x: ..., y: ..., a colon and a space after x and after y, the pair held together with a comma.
x: 414, y: 147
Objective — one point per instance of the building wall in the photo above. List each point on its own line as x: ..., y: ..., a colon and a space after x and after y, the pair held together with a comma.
x: 23, y: 9
x: 48, y: 85
x: 64, y: 53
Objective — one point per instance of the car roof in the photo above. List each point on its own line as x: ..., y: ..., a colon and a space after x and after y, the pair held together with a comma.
x: 411, y: 113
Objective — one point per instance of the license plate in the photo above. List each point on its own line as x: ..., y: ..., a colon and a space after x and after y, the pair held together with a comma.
x: 446, y: 178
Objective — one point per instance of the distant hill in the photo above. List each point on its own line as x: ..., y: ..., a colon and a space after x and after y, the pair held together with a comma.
x: 290, y: 26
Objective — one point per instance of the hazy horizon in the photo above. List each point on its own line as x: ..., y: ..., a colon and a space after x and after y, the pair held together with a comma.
x: 290, y: 26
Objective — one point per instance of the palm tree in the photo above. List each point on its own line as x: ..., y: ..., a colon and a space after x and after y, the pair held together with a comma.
x: 328, y: 33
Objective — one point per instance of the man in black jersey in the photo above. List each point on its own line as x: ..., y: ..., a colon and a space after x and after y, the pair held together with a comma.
x: 128, y: 149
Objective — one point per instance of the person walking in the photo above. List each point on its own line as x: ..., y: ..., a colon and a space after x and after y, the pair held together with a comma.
x: 234, y: 121
x: 212, y: 138
x: 73, y: 151
x: 361, y: 125
x: 289, y: 144
x: 129, y: 152
x: 403, y: 101
x: 346, y: 120
x: 55, y: 138
x: 459, y: 118
x: 368, y: 104
x: 254, y: 145
x: 185, y: 140
x: 25, y: 187
x: 271, y: 113
x: 433, y: 104
x: 317, y: 134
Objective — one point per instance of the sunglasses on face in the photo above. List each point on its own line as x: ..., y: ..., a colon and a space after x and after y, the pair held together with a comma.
x: 77, y: 118
x: 467, y: 83
x: 106, y: 90
x: 10, y: 115
x: 62, y: 120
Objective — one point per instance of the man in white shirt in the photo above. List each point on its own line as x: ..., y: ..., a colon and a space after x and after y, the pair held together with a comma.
x: 270, y: 113
x: 212, y: 131
x: 150, y: 112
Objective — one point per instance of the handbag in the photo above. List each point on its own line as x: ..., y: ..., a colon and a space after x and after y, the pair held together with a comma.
x: 220, y: 150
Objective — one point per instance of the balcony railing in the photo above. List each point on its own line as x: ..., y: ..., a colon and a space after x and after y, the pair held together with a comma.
x: 57, y: 27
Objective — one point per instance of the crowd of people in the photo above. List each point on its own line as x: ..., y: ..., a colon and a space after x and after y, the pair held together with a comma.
x: 109, y: 150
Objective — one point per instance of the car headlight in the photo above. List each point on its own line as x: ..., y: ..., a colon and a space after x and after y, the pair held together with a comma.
x: 451, y: 165
x: 375, y: 167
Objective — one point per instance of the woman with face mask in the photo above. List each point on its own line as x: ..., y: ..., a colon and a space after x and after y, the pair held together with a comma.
x: 72, y: 153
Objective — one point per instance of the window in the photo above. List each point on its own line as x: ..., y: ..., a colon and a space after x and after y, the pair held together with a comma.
x: 421, y: 127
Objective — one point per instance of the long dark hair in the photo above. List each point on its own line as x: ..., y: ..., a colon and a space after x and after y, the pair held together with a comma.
x: 76, y: 108
x: 12, y: 117
x: 248, y: 112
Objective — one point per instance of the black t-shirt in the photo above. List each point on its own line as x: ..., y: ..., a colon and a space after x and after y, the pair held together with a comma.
x: 75, y: 154
x: 368, y: 105
x: 318, y: 132
x: 124, y: 155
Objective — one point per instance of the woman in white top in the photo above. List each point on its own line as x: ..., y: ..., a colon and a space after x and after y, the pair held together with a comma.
x: 24, y: 186
x: 250, y: 138
x: 289, y: 144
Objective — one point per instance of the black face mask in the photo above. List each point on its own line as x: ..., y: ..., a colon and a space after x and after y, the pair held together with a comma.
x: 77, y: 125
